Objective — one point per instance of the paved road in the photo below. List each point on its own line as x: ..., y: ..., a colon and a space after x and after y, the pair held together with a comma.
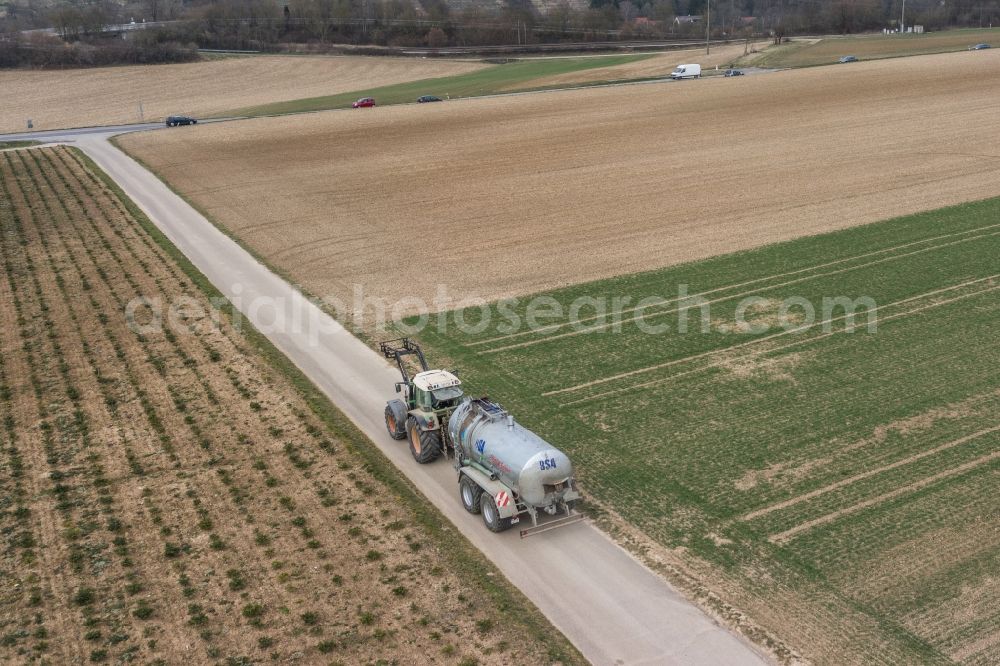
x: 614, y: 609
x: 71, y: 135
x: 102, y: 133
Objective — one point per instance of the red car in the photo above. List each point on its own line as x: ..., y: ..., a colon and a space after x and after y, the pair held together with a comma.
x: 363, y: 102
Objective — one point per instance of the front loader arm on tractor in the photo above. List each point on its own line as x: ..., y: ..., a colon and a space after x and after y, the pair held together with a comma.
x: 399, y: 349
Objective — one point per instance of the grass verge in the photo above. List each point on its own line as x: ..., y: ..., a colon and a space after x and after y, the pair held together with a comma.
x: 7, y: 145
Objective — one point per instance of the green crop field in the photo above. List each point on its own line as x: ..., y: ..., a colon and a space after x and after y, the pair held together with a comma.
x: 491, y: 80
x: 805, y: 53
x: 838, y: 486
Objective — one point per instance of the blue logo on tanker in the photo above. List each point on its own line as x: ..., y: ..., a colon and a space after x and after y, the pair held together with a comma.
x: 546, y: 463
x: 480, y: 445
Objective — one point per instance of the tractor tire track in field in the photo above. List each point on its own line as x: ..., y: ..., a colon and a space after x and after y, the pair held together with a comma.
x: 787, y: 535
x: 767, y: 338
x: 648, y: 316
x: 869, y: 473
x: 771, y: 350
x: 702, y: 294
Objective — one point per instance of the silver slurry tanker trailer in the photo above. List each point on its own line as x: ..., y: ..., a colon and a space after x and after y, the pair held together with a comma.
x: 505, y: 471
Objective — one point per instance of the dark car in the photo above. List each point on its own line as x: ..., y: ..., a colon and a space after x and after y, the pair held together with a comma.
x: 428, y: 98
x: 979, y: 47
x: 174, y: 121
x: 848, y: 59
x: 363, y: 102
x: 734, y: 72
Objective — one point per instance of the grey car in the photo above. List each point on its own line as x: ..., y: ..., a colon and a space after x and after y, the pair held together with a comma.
x: 848, y: 59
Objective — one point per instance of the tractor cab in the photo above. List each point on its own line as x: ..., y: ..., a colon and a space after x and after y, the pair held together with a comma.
x: 434, y: 390
x: 428, y: 399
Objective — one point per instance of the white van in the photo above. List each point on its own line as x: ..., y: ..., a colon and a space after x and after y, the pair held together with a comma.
x: 686, y: 72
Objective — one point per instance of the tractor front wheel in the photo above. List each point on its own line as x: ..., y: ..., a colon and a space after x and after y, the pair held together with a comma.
x: 396, y: 429
x: 425, y: 445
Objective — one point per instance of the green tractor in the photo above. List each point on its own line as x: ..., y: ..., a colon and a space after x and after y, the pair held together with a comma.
x: 429, y: 398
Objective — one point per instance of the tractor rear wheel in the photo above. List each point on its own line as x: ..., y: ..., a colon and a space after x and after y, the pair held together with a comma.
x: 425, y: 445
x: 396, y: 429
x: 491, y: 514
x: 470, y: 492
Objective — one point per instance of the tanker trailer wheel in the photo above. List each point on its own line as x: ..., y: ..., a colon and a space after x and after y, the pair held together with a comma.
x: 491, y: 514
x: 396, y: 429
x: 470, y: 492
x: 425, y: 445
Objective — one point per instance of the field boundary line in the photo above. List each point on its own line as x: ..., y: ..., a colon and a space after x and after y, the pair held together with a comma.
x: 725, y: 288
x: 787, y: 535
x: 864, y: 475
x: 797, y: 329
x: 772, y: 349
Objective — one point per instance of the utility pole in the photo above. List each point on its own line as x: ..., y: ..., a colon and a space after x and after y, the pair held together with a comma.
x: 708, y: 26
x: 902, y: 19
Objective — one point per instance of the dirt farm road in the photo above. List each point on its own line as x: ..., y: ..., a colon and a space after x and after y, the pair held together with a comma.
x: 609, y: 605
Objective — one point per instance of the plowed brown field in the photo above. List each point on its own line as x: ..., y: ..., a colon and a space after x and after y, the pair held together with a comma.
x: 512, y: 195
x: 112, y: 95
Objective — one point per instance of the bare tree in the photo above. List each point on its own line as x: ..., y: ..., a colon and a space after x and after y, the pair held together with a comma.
x: 436, y: 38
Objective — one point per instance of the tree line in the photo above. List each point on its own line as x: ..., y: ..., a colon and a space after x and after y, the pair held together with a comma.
x: 182, y: 26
